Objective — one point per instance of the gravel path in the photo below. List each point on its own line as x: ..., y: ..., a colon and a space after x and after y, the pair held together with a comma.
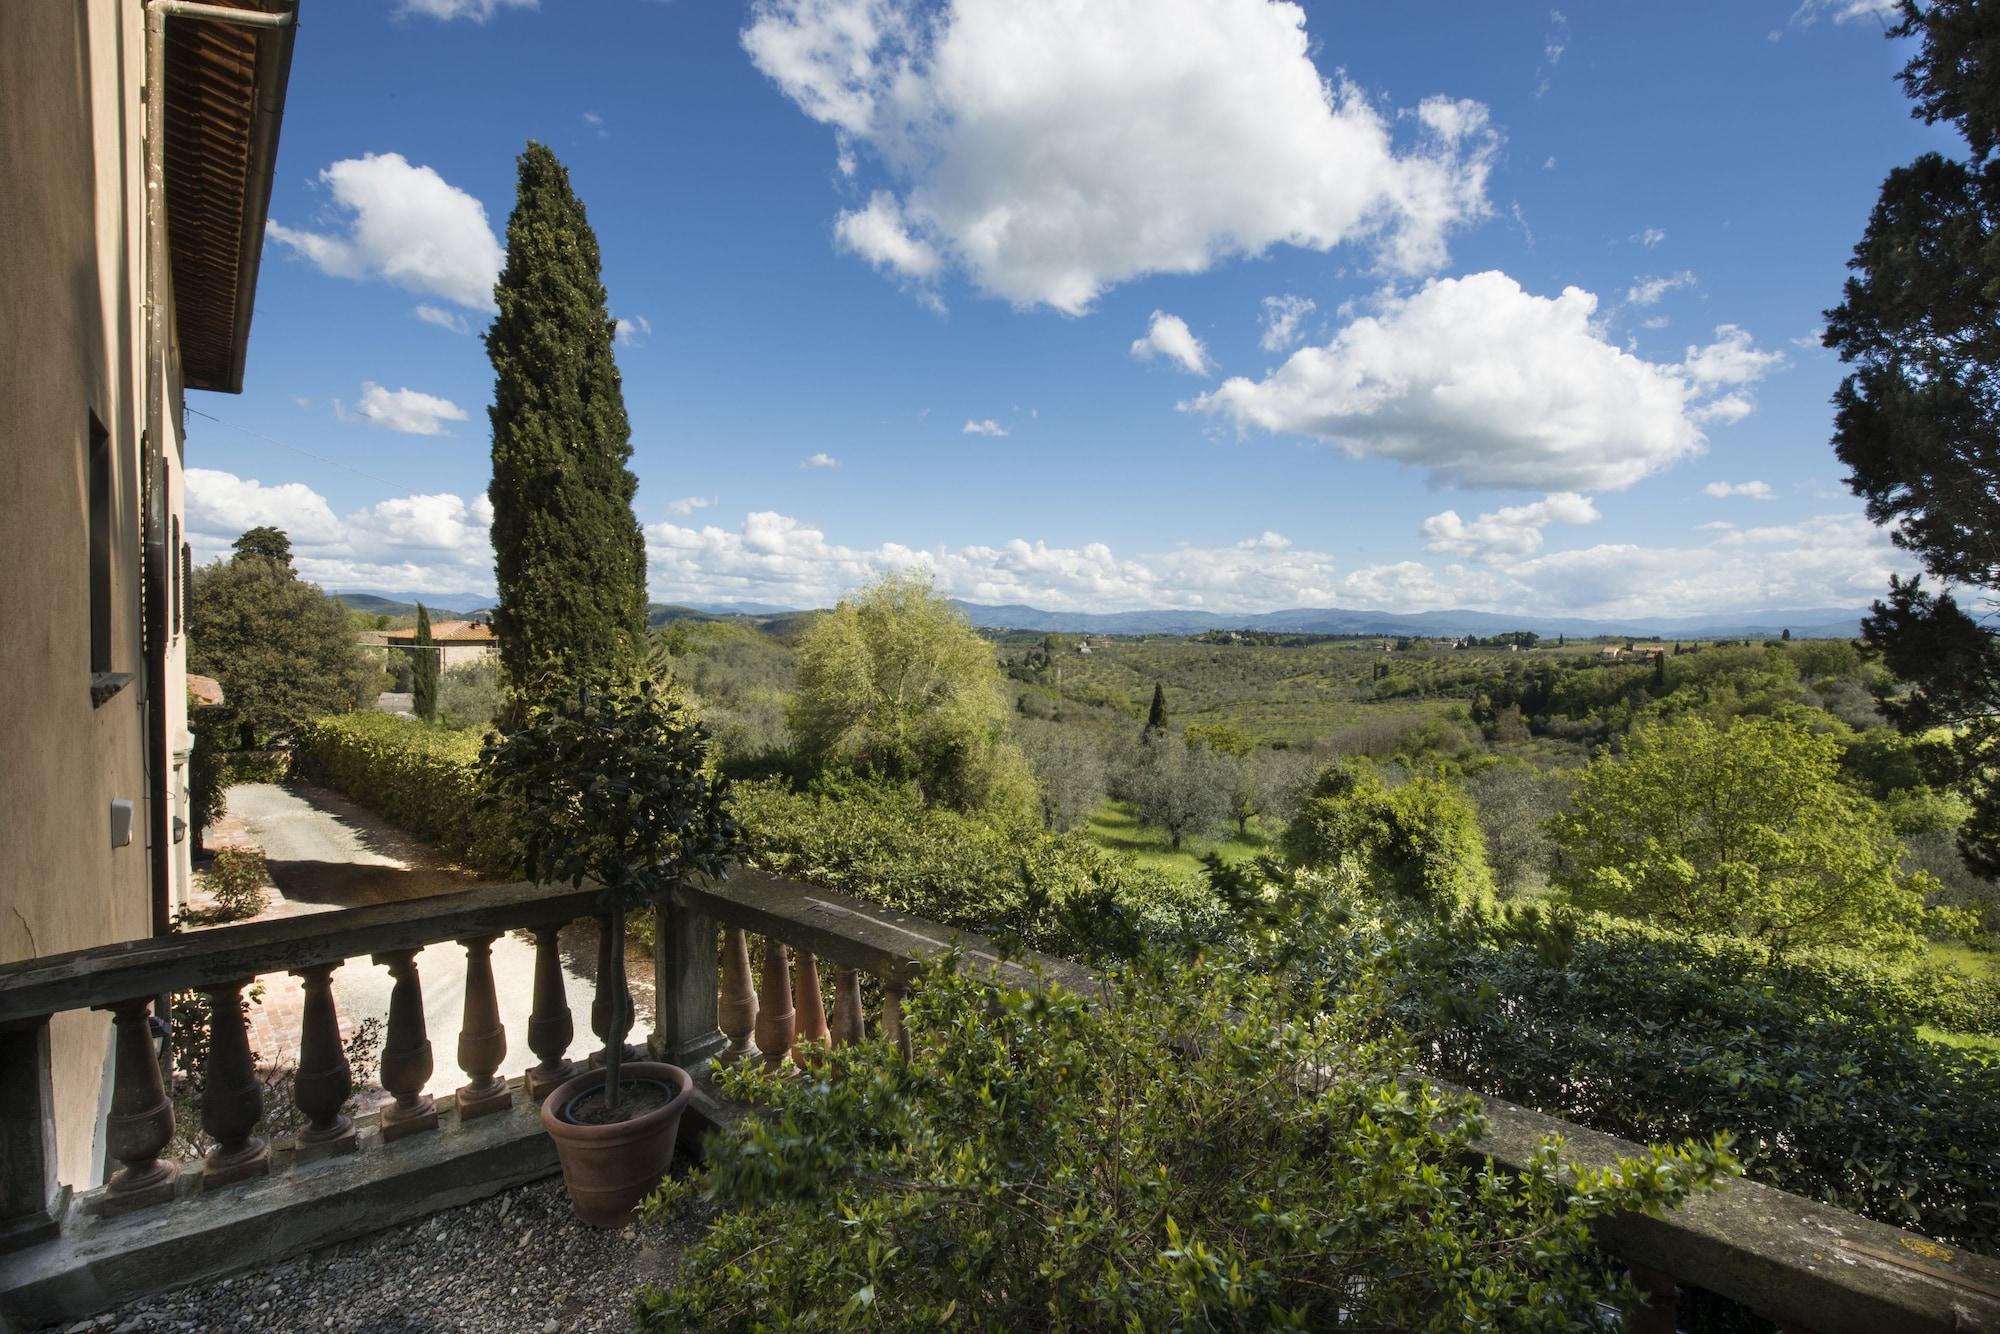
x: 517, y: 1263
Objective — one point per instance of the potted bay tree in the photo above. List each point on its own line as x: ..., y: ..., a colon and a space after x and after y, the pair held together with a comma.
x: 614, y: 785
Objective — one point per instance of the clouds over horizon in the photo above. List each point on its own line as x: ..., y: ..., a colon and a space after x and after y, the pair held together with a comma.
x: 1050, y: 152
x: 438, y: 544
x: 1481, y: 384
x: 405, y: 225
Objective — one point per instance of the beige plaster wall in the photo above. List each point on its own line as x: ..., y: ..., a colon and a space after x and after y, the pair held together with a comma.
x: 71, y: 316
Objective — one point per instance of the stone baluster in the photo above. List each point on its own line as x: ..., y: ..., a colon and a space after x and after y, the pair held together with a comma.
x: 892, y: 1015
x: 406, y: 1052
x: 482, y: 1039
x: 811, y: 1002
x: 736, y: 1004
x: 549, y: 1026
x: 777, y: 1022
x: 232, y: 1097
x: 848, y: 1025
x: 610, y: 1016
x: 141, y: 1122
x: 324, y: 1080
x: 1657, y: 1311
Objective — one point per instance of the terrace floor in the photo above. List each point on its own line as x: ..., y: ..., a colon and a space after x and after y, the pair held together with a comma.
x: 515, y: 1262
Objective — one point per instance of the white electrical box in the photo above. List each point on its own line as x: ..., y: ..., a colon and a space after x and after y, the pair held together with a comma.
x: 121, y: 822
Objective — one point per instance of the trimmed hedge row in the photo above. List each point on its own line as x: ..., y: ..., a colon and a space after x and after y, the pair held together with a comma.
x: 1055, y: 892
x: 421, y: 779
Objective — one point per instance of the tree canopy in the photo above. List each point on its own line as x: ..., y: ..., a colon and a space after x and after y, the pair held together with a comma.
x: 1744, y: 829
x: 568, y: 555
x: 1917, y: 420
x: 894, y: 683
x: 281, y: 648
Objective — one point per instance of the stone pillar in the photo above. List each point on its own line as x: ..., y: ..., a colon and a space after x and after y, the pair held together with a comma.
x: 549, y: 1026
x: 141, y: 1121
x: 482, y: 1039
x: 324, y: 1081
x: 31, y: 1201
x: 685, y: 977
x: 232, y: 1097
x: 406, y: 1052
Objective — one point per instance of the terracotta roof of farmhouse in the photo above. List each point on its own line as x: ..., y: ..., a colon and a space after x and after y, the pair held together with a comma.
x: 447, y: 632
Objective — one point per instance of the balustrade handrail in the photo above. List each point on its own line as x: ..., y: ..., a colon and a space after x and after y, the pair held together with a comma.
x: 1810, y: 1266
x: 105, y: 974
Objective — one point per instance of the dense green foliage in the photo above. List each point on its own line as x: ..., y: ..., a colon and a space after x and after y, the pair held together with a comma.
x: 1418, y: 844
x: 424, y: 779
x: 469, y: 694
x: 1056, y: 892
x: 568, y: 555
x: 423, y: 669
x: 1200, y: 1149
x: 1742, y: 830
x: 281, y: 648
x: 895, y: 684
x: 1916, y: 420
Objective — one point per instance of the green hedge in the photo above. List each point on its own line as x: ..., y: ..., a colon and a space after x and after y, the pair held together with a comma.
x: 422, y: 779
x: 1049, y: 891
x: 1055, y: 892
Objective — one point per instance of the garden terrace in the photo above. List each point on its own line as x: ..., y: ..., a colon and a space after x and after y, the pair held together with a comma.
x: 250, y: 1203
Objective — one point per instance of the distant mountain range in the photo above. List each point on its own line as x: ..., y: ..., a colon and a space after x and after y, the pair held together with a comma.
x: 1804, y: 623
x: 1810, y: 623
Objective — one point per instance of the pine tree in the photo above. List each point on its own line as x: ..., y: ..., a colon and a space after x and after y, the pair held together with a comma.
x: 1156, y: 717
x: 424, y: 670
x: 569, y: 558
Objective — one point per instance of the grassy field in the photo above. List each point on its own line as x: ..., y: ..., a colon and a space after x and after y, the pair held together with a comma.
x: 1116, y: 827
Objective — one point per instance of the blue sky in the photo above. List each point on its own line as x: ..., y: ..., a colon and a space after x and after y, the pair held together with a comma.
x: 1097, y: 304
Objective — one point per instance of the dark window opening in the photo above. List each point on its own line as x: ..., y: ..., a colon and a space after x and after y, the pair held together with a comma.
x: 103, y: 543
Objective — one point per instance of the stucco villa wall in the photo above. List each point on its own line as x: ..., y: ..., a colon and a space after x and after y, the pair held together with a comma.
x: 71, y: 289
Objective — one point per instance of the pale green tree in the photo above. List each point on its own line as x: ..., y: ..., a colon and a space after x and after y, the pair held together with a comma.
x: 895, y: 683
x: 1743, y: 829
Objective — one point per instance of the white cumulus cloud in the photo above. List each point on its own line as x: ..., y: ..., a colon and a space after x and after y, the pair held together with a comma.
x: 408, y: 226
x: 477, y: 10
x: 443, y: 319
x: 687, y: 505
x: 1482, y: 384
x: 1648, y: 291
x: 1511, y: 532
x: 1747, y: 490
x: 631, y: 332
x: 407, y: 410
x: 1282, y: 317
x: 984, y: 426
x: 1168, y: 336
x: 821, y: 460
x: 1051, y: 149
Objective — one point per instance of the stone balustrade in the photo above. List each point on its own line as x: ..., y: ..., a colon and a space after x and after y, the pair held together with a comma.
x: 742, y: 972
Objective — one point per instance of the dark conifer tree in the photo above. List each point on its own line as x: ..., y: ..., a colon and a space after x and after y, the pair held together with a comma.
x: 567, y: 551
x: 424, y: 670
x: 1156, y: 717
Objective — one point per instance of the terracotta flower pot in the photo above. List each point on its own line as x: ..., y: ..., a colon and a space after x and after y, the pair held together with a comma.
x: 608, y: 1169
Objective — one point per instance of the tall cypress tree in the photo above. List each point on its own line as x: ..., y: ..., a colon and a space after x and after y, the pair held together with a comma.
x: 568, y: 555
x: 1156, y: 717
x: 424, y: 670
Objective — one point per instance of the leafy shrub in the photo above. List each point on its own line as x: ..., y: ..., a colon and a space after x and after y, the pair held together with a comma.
x: 1056, y: 892
x: 1419, y: 843
x: 423, y: 779
x: 469, y: 695
x: 1813, y: 1063
x: 235, y: 880
x: 1184, y: 1153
